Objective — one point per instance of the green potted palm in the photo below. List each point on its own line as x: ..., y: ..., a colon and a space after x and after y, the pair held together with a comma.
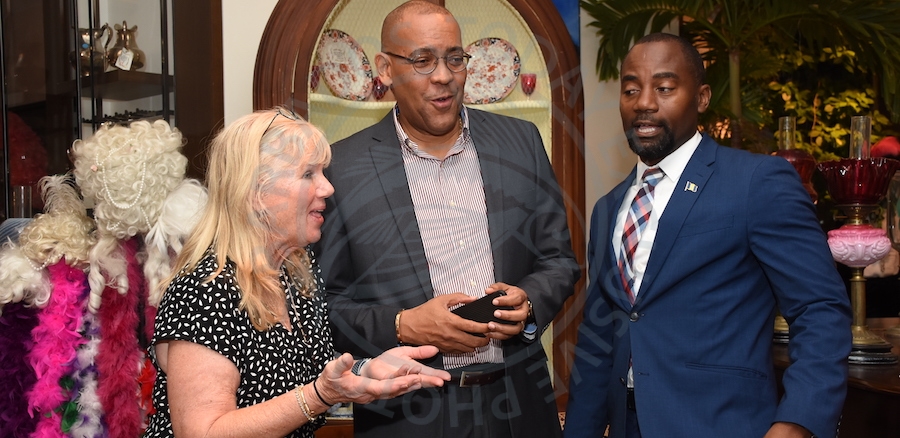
x: 749, y: 45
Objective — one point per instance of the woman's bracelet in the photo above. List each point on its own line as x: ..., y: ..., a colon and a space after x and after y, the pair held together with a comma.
x: 397, y: 326
x: 316, y: 388
x: 301, y: 400
x: 357, y: 367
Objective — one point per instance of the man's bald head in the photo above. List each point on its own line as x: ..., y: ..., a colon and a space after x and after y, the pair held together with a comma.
x: 402, y: 13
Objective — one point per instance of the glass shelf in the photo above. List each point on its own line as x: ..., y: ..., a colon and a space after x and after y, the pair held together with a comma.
x: 126, y: 85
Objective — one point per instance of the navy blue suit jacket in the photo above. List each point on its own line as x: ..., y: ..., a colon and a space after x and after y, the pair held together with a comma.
x: 700, y: 332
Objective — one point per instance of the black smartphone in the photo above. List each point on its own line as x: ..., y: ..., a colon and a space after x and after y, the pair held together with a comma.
x: 482, y: 310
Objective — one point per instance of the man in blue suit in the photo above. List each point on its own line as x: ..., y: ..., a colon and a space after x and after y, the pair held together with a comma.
x: 678, y: 322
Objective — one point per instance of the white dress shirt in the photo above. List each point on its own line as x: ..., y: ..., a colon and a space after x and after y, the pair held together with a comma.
x: 451, y: 212
x: 672, y: 165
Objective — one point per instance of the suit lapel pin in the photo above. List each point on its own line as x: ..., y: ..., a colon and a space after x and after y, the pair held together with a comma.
x: 690, y: 187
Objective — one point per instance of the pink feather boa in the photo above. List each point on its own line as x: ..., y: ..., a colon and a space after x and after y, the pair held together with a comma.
x: 120, y: 357
x: 56, y: 341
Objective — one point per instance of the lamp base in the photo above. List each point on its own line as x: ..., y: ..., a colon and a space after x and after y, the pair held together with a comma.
x: 781, y: 338
x: 781, y: 335
x: 869, y: 348
x: 870, y: 357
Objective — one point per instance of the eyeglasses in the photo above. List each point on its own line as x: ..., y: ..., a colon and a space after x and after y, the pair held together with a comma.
x: 280, y: 112
x: 426, y: 63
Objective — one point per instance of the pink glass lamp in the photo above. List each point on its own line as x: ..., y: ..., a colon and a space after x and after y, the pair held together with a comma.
x: 803, y: 161
x: 805, y: 165
x: 857, y: 184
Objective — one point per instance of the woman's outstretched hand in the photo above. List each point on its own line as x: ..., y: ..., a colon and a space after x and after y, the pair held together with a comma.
x: 401, y: 361
x: 395, y: 372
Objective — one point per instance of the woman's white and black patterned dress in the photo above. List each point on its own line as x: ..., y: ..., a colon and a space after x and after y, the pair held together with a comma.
x: 270, y: 362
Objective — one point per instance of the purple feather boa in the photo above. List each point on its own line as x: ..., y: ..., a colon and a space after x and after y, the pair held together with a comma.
x: 16, y: 376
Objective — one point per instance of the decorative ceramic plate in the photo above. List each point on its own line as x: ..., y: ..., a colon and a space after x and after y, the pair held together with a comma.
x: 492, y: 71
x: 343, y: 65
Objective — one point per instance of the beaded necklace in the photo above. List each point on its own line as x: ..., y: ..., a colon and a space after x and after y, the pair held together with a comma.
x: 47, y: 262
x: 100, y: 167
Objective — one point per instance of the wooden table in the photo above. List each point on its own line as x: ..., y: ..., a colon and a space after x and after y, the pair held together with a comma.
x: 872, y: 408
x: 336, y: 428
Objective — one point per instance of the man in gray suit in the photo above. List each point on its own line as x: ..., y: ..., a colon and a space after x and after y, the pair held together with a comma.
x: 435, y: 206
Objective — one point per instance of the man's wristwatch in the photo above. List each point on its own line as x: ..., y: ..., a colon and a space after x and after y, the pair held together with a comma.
x: 529, y: 332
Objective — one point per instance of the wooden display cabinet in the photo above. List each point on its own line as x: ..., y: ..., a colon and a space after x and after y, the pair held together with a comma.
x: 46, y: 104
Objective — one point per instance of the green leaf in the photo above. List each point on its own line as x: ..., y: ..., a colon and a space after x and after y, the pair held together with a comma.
x: 774, y: 39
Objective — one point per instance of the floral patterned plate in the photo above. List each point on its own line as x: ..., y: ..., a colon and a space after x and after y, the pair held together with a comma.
x: 343, y: 65
x: 492, y: 71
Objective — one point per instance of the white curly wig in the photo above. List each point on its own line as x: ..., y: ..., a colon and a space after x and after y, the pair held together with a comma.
x: 179, y: 216
x: 64, y: 231
x: 19, y: 280
x: 128, y: 172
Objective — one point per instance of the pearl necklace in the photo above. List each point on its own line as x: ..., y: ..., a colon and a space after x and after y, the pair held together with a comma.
x: 42, y: 266
x: 99, y: 167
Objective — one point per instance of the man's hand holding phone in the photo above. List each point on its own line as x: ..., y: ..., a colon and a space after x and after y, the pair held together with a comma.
x: 516, y: 299
x: 483, y: 310
x: 433, y: 324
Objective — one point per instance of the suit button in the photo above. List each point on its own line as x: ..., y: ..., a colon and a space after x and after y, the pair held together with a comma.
x: 634, y: 316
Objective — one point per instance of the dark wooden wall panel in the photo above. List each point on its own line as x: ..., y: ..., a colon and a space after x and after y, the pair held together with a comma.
x: 199, y: 94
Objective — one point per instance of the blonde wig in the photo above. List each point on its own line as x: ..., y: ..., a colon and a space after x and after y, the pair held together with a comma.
x: 233, y: 224
x: 64, y: 231
x: 128, y: 172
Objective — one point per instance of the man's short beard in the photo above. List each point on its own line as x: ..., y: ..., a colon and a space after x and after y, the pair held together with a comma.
x: 653, y: 152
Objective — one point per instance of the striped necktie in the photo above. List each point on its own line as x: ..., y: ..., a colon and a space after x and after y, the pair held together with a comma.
x: 635, y: 223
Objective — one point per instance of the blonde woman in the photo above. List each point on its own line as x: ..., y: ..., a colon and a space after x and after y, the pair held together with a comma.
x: 242, y: 344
